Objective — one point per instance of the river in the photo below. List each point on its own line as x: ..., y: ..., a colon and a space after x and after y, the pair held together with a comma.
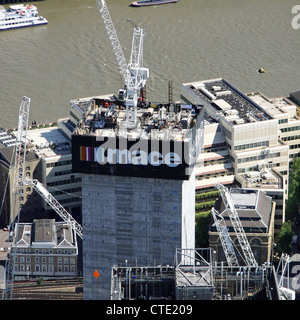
x: 71, y: 57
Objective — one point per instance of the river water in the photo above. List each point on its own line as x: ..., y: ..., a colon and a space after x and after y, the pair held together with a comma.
x: 191, y: 40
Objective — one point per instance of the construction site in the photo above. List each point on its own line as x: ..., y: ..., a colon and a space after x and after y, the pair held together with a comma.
x: 137, y: 161
x: 201, y: 279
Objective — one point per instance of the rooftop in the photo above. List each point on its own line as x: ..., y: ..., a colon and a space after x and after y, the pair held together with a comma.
x: 45, y: 232
x: 279, y: 108
x: 228, y: 101
x: 48, y: 142
x: 266, y: 179
x: 253, y: 206
x: 164, y: 121
x: 7, y: 139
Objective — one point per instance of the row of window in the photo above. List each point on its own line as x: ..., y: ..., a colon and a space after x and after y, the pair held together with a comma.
x: 254, y: 168
x: 58, y: 163
x: 282, y: 121
x: 45, y: 268
x: 17, y: 22
x: 252, y: 145
x: 295, y: 155
x: 45, y: 260
x: 45, y: 251
x: 290, y: 129
x: 295, y: 146
x: 260, y: 157
x: 60, y: 182
x: 62, y: 173
x: 289, y: 138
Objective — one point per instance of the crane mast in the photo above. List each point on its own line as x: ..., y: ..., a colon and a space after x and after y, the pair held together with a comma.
x: 20, y: 152
x: 225, y: 238
x: 237, y: 225
x: 134, y: 75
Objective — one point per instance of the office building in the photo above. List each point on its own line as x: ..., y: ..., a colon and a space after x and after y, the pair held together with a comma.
x: 244, y: 134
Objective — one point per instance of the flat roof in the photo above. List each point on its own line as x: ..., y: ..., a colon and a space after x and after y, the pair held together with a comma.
x: 236, y: 107
x: 48, y: 142
x: 253, y: 207
x: 240, y: 200
x: 277, y: 107
x: 266, y: 179
x: 7, y: 139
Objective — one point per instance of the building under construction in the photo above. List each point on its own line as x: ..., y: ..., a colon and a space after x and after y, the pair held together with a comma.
x: 138, y: 186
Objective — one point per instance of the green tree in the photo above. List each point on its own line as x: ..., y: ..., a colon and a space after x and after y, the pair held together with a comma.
x: 201, y: 229
x: 293, y: 202
x: 284, y: 239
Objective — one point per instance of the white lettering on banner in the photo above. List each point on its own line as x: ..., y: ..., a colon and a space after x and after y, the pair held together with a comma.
x: 136, y: 157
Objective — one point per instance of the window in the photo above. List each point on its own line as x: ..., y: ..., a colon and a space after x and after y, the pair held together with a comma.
x: 255, y: 242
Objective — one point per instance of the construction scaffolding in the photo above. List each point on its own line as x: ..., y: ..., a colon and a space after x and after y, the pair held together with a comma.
x: 142, y: 283
x: 196, y: 276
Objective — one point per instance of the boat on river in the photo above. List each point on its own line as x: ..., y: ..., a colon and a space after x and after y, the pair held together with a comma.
x: 20, y: 16
x: 144, y: 3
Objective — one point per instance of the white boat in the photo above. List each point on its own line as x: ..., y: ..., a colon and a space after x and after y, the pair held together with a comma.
x: 20, y: 16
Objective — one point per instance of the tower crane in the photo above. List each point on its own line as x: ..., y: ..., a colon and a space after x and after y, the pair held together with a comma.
x: 134, y: 75
x: 238, y: 228
x: 18, y: 179
x: 18, y: 182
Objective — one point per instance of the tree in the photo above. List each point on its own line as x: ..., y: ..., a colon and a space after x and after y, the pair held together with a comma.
x: 201, y: 229
x: 284, y: 239
x: 292, y: 205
